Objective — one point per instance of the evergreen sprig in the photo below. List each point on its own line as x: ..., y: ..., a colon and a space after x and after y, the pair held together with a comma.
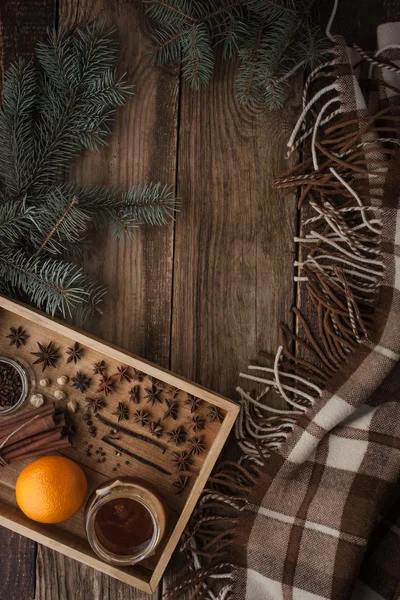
x: 272, y: 39
x: 48, y: 116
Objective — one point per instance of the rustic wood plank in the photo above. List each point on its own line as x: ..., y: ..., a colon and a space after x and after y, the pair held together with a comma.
x: 22, y: 24
x: 233, y: 277
x: 137, y: 310
x: 138, y: 273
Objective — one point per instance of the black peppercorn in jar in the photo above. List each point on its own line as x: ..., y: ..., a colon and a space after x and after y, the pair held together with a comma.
x: 16, y: 381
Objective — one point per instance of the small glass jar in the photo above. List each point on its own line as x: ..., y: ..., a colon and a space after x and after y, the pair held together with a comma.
x: 125, y: 520
x: 27, y: 382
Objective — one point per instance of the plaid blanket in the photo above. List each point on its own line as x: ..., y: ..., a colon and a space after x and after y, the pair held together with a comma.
x: 310, y: 510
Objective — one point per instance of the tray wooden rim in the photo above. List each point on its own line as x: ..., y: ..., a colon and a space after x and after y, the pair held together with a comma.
x: 12, y: 519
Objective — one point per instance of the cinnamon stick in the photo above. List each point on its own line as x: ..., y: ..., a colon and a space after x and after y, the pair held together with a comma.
x: 38, y: 445
x: 18, y: 420
x: 53, y: 447
x: 40, y: 424
x: 39, y: 436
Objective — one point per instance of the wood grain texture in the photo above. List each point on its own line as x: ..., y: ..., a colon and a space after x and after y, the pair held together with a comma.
x: 138, y: 273
x: 22, y: 25
x: 137, y: 310
x: 233, y: 262
x: 233, y: 273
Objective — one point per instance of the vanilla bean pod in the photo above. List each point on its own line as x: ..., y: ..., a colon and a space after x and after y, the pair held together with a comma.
x: 138, y: 436
x: 145, y: 461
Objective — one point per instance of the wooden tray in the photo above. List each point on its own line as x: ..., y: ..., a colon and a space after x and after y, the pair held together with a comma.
x: 69, y: 537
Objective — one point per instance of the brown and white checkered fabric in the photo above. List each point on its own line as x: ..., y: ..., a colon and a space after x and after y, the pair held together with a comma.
x: 323, y: 520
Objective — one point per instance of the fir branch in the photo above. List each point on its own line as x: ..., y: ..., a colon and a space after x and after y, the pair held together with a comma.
x: 273, y: 39
x: 54, y: 285
x: 16, y: 127
x: 15, y: 222
x: 56, y: 226
x: 198, y: 58
x: 47, y: 117
x: 149, y: 204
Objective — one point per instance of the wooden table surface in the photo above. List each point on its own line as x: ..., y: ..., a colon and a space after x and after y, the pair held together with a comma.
x: 205, y: 294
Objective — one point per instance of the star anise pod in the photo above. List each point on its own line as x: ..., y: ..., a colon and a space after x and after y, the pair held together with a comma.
x: 141, y: 417
x: 122, y: 412
x: 137, y: 375
x: 195, y: 423
x: 81, y: 382
x: 156, y: 428
x: 177, y: 436
x: 95, y: 404
x: 152, y: 395
x: 75, y: 353
x: 196, y: 445
x: 134, y: 394
x: 17, y: 337
x: 106, y: 385
x: 214, y: 415
x: 193, y: 403
x: 181, y: 460
x: 174, y: 391
x: 122, y: 374
x: 172, y: 409
x: 48, y: 355
x: 99, y: 367
x: 180, y: 483
x: 157, y: 383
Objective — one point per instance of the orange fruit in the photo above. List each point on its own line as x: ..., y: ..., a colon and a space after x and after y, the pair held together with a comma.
x: 51, y: 489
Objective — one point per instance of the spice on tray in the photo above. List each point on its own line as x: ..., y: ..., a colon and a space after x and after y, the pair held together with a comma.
x: 36, y: 400
x: 214, y: 415
x: 174, y: 391
x: 195, y: 423
x: 177, y: 436
x: 95, y: 404
x: 134, y: 394
x: 196, y: 445
x: 34, y: 433
x: 141, y: 417
x: 138, y: 436
x: 181, y: 460
x: 106, y: 385
x: 122, y: 374
x: 18, y: 336
x: 81, y: 382
x: 180, y: 483
x: 122, y: 412
x: 141, y: 459
x: 47, y: 355
x: 152, y: 395
x: 193, y: 403
x: 156, y: 428
x: 137, y: 375
x: 172, y: 409
x: 10, y: 385
x: 157, y: 383
x: 99, y: 367
x: 75, y: 353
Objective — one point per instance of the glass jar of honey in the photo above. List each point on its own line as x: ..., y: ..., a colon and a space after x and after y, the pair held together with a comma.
x: 125, y: 520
